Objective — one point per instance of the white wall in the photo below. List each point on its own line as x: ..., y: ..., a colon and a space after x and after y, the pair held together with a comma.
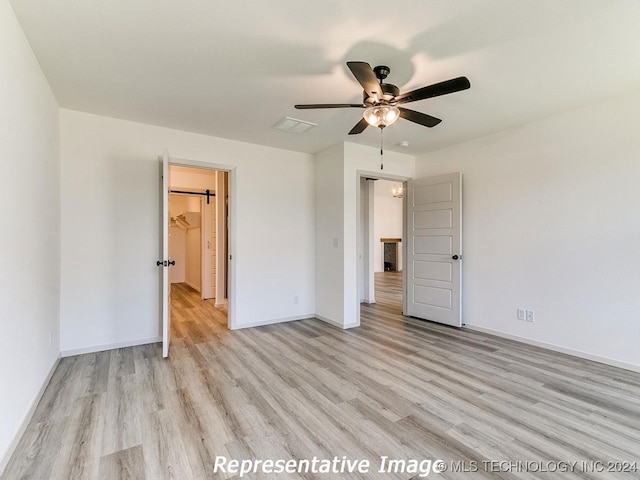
x: 177, y: 253
x: 30, y: 234
x: 192, y: 178
x: 185, y: 244
x: 551, y: 223
x: 387, y: 221
x: 178, y: 204
x: 329, y: 234
x: 338, y: 172
x: 110, y: 290
x: 193, y: 258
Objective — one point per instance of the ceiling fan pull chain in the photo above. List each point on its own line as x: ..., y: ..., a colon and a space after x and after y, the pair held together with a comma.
x: 381, y: 151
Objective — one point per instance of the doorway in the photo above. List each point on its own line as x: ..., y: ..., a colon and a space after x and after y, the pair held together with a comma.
x: 186, y: 229
x: 431, y: 247
x: 199, y: 231
x: 380, y: 240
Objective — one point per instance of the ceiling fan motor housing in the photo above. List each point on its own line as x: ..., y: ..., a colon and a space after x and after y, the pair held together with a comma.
x: 389, y: 92
x: 381, y: 71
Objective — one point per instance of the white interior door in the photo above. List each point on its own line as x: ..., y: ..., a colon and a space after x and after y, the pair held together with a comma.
x: 165, y: 261
x: 434, y: 249
x: 209, y: 249
x: 221, y: 237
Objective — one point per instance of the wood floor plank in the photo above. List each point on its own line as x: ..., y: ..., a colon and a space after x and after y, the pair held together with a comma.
x: 79, y: 452
x: 165, y: 456
x: 123, y: 465
x: 39, y: 457
x: 121, y: 418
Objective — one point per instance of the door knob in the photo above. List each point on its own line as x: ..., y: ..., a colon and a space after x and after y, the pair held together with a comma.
x: 455, y: 257
x: 165, y: 263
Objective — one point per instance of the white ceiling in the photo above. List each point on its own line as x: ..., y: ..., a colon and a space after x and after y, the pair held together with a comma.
x: 232, y: 69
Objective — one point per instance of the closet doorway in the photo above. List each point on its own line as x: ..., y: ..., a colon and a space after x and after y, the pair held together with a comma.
x: 198, y: 244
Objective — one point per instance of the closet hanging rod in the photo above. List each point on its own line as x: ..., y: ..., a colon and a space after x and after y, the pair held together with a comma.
x: 207, y: 193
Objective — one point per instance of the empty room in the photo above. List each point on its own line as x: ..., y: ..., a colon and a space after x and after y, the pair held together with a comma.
x: 324, y: 240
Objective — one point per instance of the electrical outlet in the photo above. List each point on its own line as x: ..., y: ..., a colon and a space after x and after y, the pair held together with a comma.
x: 522, y: 314
x: 530, y: 316
x: 295, y: 300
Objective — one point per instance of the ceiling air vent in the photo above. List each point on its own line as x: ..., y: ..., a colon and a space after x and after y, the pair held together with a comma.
x: 293, y: 125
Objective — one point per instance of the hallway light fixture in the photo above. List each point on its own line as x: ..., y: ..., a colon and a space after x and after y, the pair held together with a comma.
x: 397, y: 192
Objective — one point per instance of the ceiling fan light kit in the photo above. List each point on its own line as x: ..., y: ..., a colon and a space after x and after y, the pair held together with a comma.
x: 382, y: 101
x: 381, y: 116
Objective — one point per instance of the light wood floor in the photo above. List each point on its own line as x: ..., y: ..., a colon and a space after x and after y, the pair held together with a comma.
x: 396, y: 386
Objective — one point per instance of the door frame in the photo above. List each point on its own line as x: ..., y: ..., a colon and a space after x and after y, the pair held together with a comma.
x: 231, y: 170
x: 370, y: 269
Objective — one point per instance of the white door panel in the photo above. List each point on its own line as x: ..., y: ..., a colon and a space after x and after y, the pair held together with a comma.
x: 432, y: 194
x: 434, y: 243
x: 209, y: 249
x: 431, y: 219
x: 432, y: 297
x: 166, y: 284
x: 440, y: 271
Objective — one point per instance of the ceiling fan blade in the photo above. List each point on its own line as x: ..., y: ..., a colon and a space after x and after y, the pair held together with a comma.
x: 435, y: 90
x: 364, y: 74
x: 419, y: 118
x: 329, y: 105
x: 359, y: 128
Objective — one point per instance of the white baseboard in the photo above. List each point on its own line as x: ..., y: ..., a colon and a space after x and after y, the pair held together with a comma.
x: 27, y: 418
x: 109, y: 346
x: 557, y: 348
x: 293, y: 319
x: 196, y: 288
x: 336, y: 324
x: 272, y: 321
x: 329, y: 321
x: 223, y: 303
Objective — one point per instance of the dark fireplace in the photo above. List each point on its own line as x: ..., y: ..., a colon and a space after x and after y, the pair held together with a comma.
x: 390, y: 257
x: 390, y: 253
